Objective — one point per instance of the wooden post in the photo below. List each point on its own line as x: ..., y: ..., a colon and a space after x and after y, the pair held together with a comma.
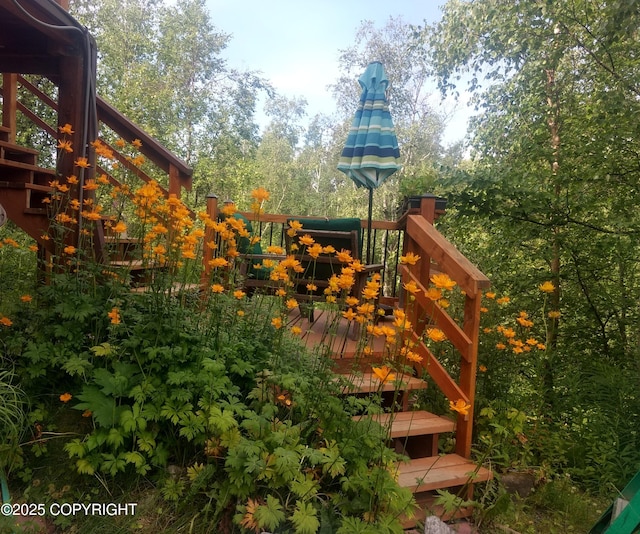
x: 209, y: 237
x: 9, y: 103
x: 468, y: 370
x: 174, y: 181
x: 428, y: 208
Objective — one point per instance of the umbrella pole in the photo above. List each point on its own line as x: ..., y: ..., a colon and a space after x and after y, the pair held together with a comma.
x: 369, y: 226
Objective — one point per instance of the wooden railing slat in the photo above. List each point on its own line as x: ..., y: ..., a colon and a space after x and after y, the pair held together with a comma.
x: 442, y: 319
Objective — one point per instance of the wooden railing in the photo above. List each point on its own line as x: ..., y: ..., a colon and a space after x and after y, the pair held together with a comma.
x: 438, y: 254
x: 178, y: 173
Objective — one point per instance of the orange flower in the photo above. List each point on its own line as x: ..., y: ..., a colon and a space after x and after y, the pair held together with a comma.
x: 26, y: 298
x: 137, y: 143
x: 5, y: 321
x: 66, y: 129
x: 276, y: 322
x: 70, y: 250
x: 66, y: 397
x: 306, y: 240
x: 90, y: 185
x: 87, y: 413
x: 294, y: 226
x: 460, y: 406
x: 239, y: 294
x: 217, y: 288
x: 260, y: 194
x: 349, y: 315
x: 344, y: 256
x: 443, y: 281
x: 114, y: 315
x: 218, y: 262
x: 120, y: 227
x: 435, y: 334
x: 275, y: 249
x: 409, y: 259
x: 547, y: 287
x: 384, y: 373
x: 82, y: 162
x: 65, y: 145
x: 411, y: 287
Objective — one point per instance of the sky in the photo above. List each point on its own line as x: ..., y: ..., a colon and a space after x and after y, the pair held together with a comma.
x: 296, y: 43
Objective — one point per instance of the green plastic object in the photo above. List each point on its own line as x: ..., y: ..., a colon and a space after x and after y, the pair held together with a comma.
x: 627, y: 521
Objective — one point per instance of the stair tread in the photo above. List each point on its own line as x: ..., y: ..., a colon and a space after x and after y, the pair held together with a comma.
x: 370, y: 383
x: 26, y: 166
x: 413, y: 423
x: 435, y: 472
x: 19, y: 149
x: 24, y: 185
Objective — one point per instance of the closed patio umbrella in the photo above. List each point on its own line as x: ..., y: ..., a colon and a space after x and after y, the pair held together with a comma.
x: 371, y: 153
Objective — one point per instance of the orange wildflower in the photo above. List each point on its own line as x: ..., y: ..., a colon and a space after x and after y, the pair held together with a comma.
x: 460, y: 406
x: 65, y: 397
x: 409, y: 259
x: 82, y: 162
x: 384, y: 373
x: 114, y: 315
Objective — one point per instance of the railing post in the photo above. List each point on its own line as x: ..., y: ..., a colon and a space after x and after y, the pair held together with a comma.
x: 209, y: 237
x: 9, y: 103
x: 174, y: 180
x: 428, y: 208
x: 468, y: 371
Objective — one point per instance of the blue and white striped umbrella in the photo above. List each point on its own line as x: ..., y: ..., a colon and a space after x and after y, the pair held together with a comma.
x: 371, y: 152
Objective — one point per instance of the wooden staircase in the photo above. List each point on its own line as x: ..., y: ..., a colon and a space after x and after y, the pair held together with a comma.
x: 23, y: 187
x: 415, y: 434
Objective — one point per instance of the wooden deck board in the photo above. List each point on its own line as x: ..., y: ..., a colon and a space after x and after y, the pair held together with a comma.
x: 413, y: 423
x: 435, y: 472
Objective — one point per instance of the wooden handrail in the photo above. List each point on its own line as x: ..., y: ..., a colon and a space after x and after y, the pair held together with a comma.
x: 152, y: 149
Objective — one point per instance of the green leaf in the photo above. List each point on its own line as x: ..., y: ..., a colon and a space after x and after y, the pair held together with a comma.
x: 77, y: 365
x: 135, y: 458
x: 84, y: 467
x: 75, y: 447
x: 115, y: 438
x: 132, y: 419
x: 113, y: 464
x: 305, y: 518
x: 270, y: 515
x: 104, y: 349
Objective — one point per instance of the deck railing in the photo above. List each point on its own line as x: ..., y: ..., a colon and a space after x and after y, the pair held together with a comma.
x: 111, y: 122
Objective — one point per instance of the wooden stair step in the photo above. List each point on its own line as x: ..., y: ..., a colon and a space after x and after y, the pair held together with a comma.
x: 437, y: 472
x: 23, y: 185
x: 13, y: 152
x: 412, y: 423
x: 370, y: 383
x: 8, y: 163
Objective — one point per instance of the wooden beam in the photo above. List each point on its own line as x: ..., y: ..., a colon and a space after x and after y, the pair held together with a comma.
x: 9, y: 96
